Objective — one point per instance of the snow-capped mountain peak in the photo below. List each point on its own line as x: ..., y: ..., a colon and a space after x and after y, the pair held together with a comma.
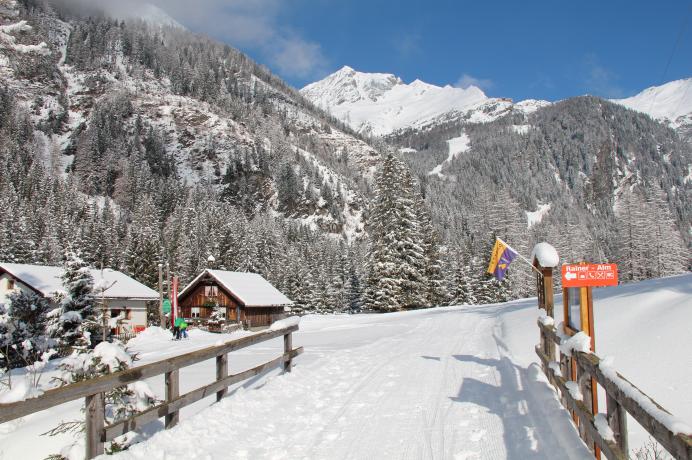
x: 381, y: 103
x: 670, y: 103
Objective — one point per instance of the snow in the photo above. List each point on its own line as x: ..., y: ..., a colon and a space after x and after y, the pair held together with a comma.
x: 578, y: 342
x: 670, y: 103
x: 546, y: 320
x: 112, y: 355
x: 601, y: 423
x: 453, y: 382
x: 521, y: 129
x: 536, y: 217
x: 671, y: 422
x: 249, y: 288
x: 286, y: 322
x: 379, y: 103
x: 47, y: 280
x: 574, y: 391
x: 457, y: 146
x: 21, y: 390
x: 546, y: 254
x: 555, y: 367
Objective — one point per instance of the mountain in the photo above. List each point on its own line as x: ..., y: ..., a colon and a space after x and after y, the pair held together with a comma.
x: 670, y: 103
x: 134, y: 142
x: 378, y: 104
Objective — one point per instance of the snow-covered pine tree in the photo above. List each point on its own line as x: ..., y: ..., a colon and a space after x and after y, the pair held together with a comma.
x: 76, y: 321
x: 29, y: 338
x: 436, y: 293
x: 397, y: 256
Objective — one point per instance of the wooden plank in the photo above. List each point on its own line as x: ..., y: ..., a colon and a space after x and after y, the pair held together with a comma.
x: 154, y: 413
x: 221, y: 373
x: 172, y: 382
x: 617, y: 419
x: 584, y: 381
x: 95, y: 417
x: 609, y: 448
x: 678, y: 445
x: 107, y: 382
x: 288, y: 346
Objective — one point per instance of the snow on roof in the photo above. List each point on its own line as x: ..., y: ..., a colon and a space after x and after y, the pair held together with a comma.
x: 251, y: 289
x: 546, y: 254
x: 47, y: 280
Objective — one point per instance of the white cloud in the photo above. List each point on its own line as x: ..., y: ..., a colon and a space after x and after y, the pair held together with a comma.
x: 467, y: 80
x: 599, y: 80
x: 295, y: 56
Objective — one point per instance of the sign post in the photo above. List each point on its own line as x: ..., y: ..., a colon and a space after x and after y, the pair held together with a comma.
x: 578, y: 280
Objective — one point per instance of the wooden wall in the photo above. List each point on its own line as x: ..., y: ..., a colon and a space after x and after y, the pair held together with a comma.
x: 208, y: 293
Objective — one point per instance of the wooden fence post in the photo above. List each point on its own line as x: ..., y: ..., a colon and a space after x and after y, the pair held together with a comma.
x: 288, y: 346
x: 172, y: 392
x: 221, y: 373
x: 617, y: 419
x: 584, y: 381
x: 95, y: 418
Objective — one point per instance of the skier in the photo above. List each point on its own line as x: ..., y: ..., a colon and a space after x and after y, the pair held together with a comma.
x: 176, y: 327
x: 183, y: 329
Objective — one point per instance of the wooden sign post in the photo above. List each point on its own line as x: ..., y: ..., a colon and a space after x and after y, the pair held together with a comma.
x: 578, y: 280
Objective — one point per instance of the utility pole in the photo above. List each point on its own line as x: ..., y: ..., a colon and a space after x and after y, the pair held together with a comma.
x: 162, y: 319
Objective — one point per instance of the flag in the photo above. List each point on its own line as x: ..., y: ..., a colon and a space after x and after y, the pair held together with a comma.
x: 500, y: 259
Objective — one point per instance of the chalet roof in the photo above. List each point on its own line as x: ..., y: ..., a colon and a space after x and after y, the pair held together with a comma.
x: 47, y: 281
x: 251, y: 289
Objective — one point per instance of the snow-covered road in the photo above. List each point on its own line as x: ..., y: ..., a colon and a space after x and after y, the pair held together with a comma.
x: 424, y: 384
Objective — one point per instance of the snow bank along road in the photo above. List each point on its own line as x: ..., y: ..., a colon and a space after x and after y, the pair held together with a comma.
x: 422, y: 385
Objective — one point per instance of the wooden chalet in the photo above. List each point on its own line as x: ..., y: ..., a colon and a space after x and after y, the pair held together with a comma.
x: 247, y: 298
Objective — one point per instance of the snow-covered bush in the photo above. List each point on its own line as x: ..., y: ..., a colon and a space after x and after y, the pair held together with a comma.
x: 120, y: 403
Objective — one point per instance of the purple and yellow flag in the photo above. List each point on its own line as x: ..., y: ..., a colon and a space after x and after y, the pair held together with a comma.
x: 500, y: 259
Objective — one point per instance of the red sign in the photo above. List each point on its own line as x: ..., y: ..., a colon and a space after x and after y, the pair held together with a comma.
x: 589, y: 275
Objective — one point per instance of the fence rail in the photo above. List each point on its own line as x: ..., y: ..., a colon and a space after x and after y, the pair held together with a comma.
x: 93, y: 390
x: 585, y: 369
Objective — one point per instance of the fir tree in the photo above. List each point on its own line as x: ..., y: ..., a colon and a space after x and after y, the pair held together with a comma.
x: 76, y: 321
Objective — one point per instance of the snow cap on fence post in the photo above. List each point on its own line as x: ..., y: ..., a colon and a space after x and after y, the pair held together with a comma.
x: 546, y: 255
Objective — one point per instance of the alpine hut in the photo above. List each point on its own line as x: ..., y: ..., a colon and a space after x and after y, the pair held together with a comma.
x: 126, y: 298
x: 244, y: 298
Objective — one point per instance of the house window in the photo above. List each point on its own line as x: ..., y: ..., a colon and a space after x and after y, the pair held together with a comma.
x: 195, y: 312
x: 211, y: 291
x: 10, y: 284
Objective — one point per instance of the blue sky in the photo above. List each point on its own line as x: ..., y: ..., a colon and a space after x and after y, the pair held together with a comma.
x: 531, y: 49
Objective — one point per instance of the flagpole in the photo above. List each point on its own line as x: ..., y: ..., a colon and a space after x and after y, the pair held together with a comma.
x: 520, y: 256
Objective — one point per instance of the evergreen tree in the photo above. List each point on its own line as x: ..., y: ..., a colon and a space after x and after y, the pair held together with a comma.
x: 76, y: 320
x: 29, y: 337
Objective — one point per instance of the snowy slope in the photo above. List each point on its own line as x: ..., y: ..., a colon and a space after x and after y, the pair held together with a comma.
x: 454, y: 382
x: 379, y: 103
x: 670, y: 103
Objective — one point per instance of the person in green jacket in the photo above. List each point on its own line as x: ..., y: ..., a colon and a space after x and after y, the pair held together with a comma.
x: 176, y: 327
x: 183, y: 329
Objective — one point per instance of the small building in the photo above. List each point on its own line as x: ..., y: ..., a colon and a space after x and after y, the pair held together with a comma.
x: 245, y: 298
x: 126, y: 298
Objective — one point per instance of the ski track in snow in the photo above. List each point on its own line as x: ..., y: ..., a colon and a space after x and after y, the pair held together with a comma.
x: 419, y: 385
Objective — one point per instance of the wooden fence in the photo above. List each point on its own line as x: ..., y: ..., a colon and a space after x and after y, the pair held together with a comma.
x: 93, y: 390
x: 618, y: 403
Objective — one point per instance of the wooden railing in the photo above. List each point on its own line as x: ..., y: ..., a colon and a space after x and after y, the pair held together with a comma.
x: 93, y: 390
x: 618, y: 402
